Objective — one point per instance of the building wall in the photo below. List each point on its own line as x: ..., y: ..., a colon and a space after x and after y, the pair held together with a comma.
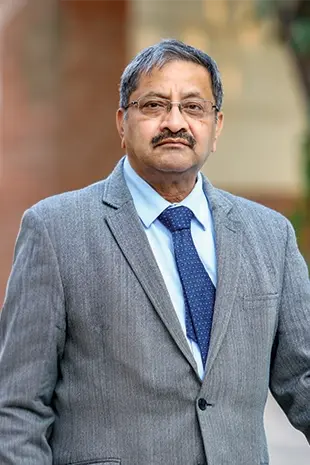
x: 60, y: 67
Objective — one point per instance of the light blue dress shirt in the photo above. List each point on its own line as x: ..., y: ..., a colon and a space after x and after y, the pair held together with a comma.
x: 149, y: 205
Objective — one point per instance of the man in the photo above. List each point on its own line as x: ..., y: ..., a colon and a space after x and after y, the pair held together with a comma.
x: 147, y: 315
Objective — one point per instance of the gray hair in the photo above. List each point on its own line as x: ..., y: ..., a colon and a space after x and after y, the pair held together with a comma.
x: 160, y: 54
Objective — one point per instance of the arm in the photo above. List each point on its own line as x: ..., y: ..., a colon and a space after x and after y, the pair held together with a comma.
x: 290, y: 369
x: 32, y: 332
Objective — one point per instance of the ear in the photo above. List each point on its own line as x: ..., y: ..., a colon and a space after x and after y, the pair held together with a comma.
x: 120, y: 116
x: 218, y: 129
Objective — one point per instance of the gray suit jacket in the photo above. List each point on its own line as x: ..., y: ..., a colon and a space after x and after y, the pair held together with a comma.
x: 95, y: 368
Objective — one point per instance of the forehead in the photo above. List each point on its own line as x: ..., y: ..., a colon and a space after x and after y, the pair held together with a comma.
x: 176, y: 77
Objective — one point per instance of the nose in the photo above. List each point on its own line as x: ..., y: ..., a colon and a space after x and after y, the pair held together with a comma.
x: 174, y: 120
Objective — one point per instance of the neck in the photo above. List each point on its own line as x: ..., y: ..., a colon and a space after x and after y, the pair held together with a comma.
x: 173, y: 187
x: 173, y: 193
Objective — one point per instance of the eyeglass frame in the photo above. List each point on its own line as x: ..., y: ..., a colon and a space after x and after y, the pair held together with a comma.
x: 169, y: 108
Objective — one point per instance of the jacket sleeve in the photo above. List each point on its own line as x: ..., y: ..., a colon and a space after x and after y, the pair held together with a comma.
x: 290, y: 365
x: 32, y: 334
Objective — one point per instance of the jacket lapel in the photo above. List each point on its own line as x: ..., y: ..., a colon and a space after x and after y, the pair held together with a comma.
x: 228, y: 241
x: 127, y: 230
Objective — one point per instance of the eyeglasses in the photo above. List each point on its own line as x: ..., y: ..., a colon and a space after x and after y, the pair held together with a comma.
x: 154, y: 107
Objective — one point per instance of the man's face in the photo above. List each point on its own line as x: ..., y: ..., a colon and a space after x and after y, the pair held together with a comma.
x: 173, y: 142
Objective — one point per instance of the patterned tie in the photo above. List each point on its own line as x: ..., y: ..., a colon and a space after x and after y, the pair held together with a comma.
x: 198, y: 289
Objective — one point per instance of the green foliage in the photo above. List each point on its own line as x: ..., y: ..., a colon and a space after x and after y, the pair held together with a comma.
x: 265, y: 8
x: 298, y: 220
x: 300, y: 36
x: 306, y: 151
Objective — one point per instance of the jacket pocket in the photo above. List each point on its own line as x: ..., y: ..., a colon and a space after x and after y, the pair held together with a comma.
x: 108, y: 461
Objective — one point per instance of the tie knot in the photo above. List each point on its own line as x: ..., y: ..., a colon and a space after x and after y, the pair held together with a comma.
x: 176, y: 218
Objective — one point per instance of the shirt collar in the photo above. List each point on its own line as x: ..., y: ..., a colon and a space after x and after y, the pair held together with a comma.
x: 149, y: 204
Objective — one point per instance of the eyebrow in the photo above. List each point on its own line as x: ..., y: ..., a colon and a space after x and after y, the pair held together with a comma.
x: 185, y: 96
x: 192, y: 95
x: 155, y: 94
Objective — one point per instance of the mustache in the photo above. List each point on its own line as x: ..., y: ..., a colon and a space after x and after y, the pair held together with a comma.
x: 167, y: 134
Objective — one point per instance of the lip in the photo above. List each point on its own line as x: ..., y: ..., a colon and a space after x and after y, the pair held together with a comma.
x: 174, y: 142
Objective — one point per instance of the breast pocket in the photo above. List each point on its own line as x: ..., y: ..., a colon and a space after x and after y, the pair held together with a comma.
x: 259, y: 319
x: 108, y: 461
x: 250, y: 337
x: 260, y: 312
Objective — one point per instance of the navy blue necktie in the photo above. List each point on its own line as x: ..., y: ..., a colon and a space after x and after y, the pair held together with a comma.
x: 198, y: 289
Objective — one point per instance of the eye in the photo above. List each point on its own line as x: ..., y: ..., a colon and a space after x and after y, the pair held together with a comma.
x: 153, y: 104
x: 195, y: 107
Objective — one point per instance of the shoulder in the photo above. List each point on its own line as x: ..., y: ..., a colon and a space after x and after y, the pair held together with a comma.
x: 67, y: 213
x: 71, y: 202
x: 255, y: 216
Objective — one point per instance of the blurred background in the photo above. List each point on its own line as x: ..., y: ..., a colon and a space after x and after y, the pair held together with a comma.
x: 60, y: 67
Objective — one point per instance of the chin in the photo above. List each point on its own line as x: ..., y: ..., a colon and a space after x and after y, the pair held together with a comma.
x: 176, y: 167
x: 176, y: 162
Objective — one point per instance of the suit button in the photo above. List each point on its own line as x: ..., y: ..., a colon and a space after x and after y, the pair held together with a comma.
x: 202, y: 404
